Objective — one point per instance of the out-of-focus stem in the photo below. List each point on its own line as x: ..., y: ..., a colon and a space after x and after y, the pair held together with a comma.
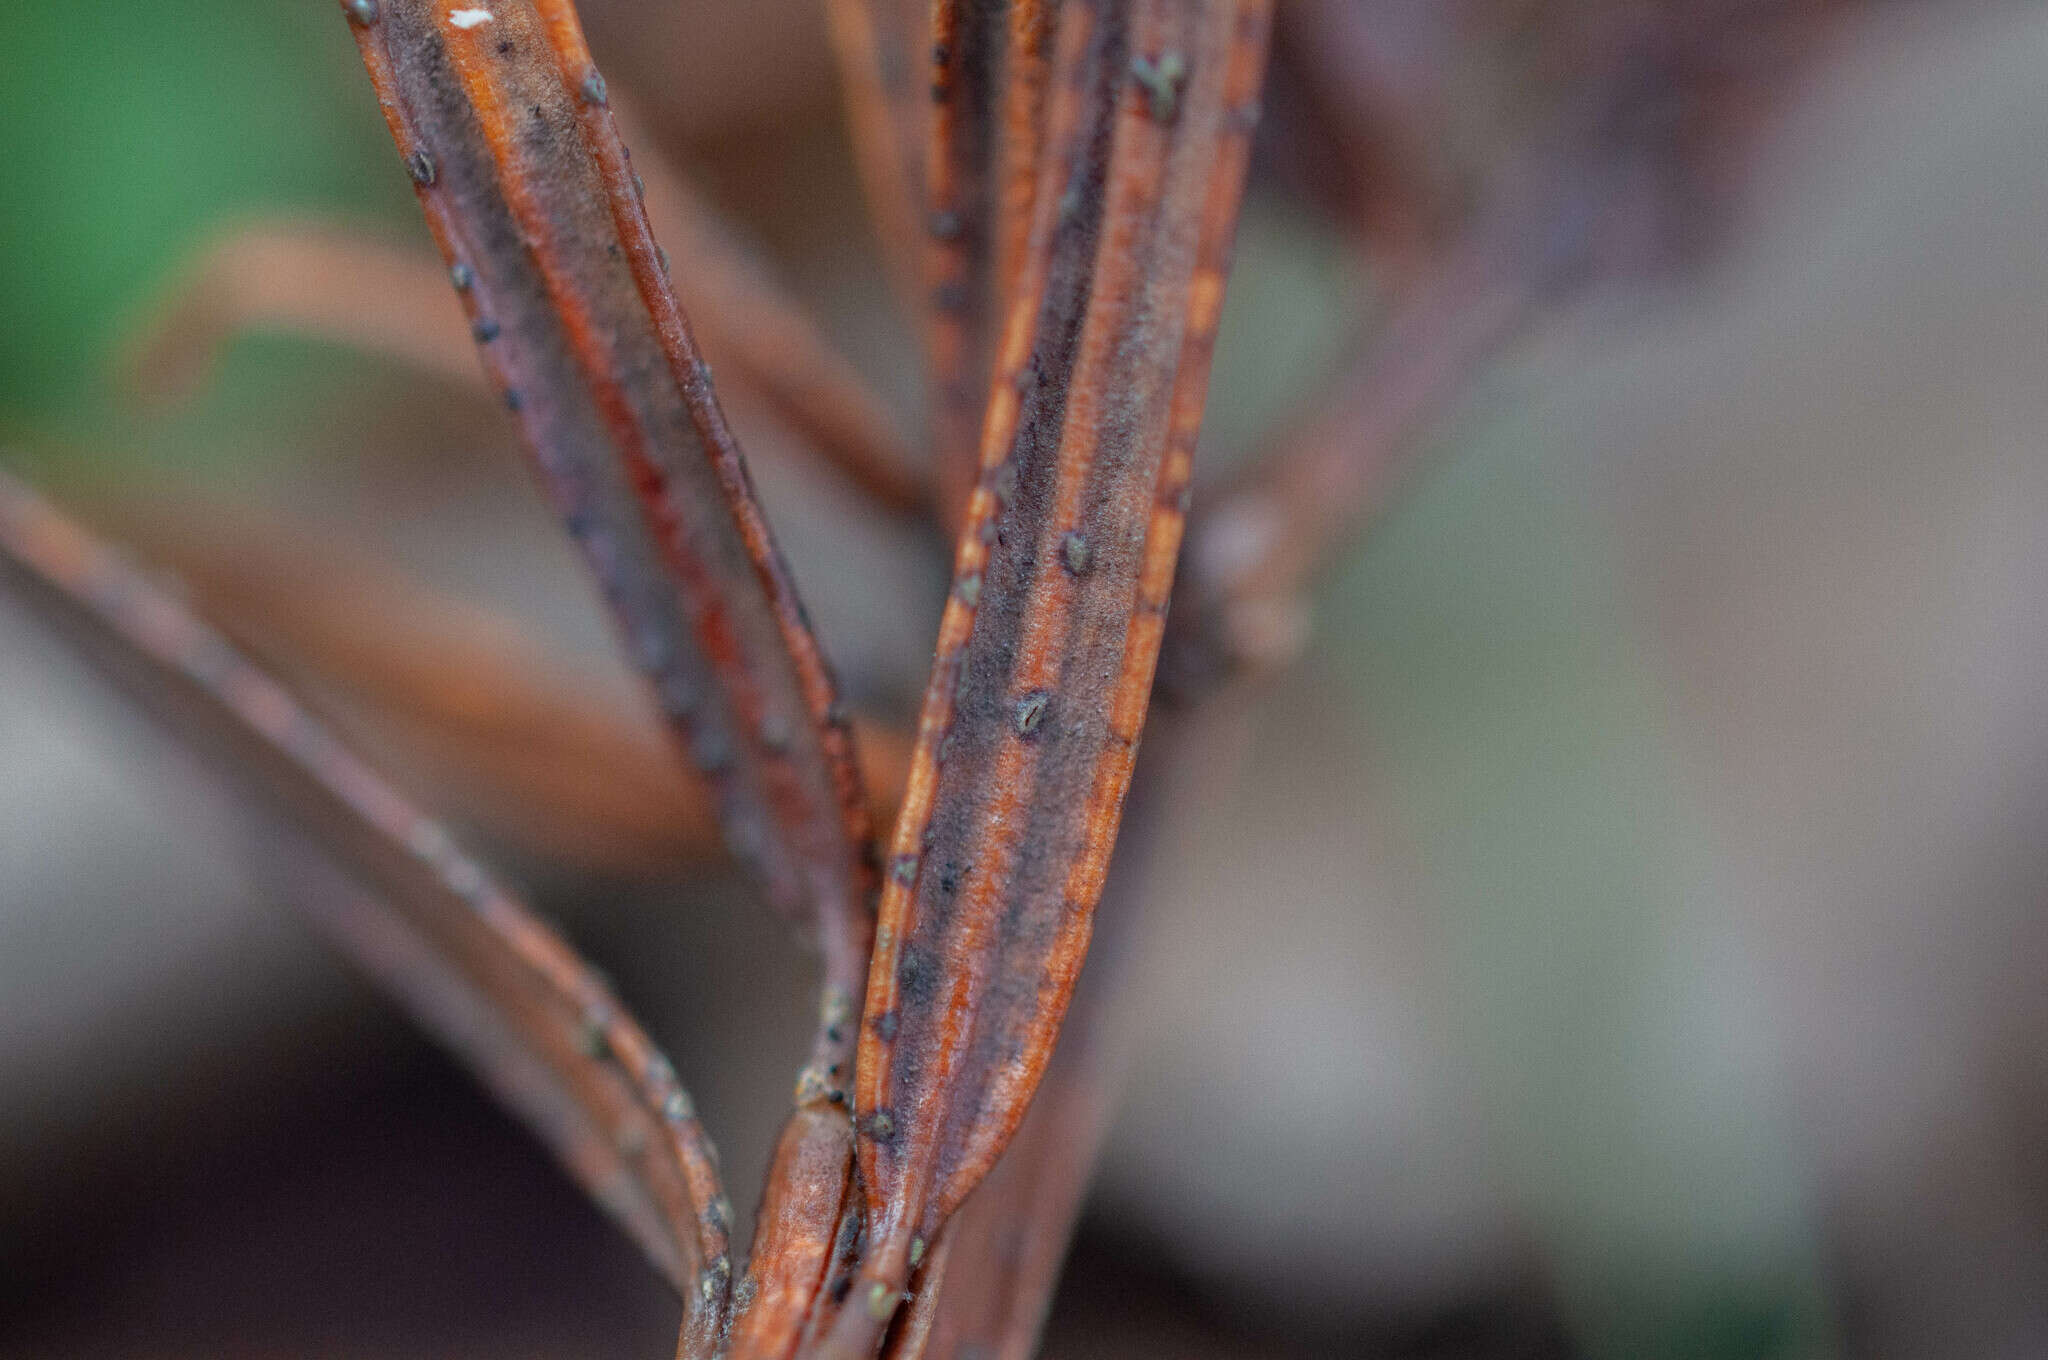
x: 500, y: 988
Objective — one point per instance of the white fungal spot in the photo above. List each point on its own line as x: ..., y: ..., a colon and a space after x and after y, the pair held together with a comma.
x: 469, y: 18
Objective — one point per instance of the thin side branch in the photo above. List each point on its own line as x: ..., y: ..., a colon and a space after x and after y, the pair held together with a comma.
x: 1370, y: 81
x: 1608, y: 176
x: 880, y: 46
x: 1026, y: 72
x: 472, y: 964
x: 326, y: 279
x: 538, y: 749
x: 303, y: 276
x: 1255, y: 546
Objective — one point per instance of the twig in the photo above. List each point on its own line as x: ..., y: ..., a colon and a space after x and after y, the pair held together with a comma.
x: 505, y: 125
x: 1255, y: 546
x: 539, y: 749
x: 1049, y: 639
x: 1660, y: 97
x: 808, y: 1217
x: 307, y: 276
x: 298, y: 275
x: 880, y: 46
x: 496, y: 985
x: 1026, y: 70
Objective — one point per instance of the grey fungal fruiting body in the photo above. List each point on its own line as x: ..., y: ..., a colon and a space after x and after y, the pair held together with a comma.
x: 363, y: 12
x: 710, y: 751
x: 1075, y: 553
x: 1005, y: 483
x: 1030, y: 712
x: 591, y: 1037
x: 1162, y: 80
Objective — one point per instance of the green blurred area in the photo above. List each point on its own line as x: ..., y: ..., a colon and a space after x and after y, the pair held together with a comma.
x: 129, y: 132
x: 1520, y: 731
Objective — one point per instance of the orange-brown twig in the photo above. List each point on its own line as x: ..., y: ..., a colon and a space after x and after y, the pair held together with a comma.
x: 303, y: 275
x: 1049, y: 639
x: 541, y: 750
x: 1255, y: 546
x: 1058, y: 208
x: 989, y: 72
x: 1003, y: 1251
x: 473, y: 965
x: 1026, y: 69
x: 808, y: 1219
x: 505, y: 124
x: 880, y: 46
x: 300, y: 276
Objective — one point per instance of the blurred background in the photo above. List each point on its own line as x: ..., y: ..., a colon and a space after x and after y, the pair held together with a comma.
x: 1621, y: 933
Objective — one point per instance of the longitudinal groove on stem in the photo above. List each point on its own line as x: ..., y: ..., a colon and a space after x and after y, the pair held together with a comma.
x: 471, y: 963
x: 967, y: 57
x: 1046, y: 650
x: 1020, y: 111
x: 990, y: 65
x: 504, y: 123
